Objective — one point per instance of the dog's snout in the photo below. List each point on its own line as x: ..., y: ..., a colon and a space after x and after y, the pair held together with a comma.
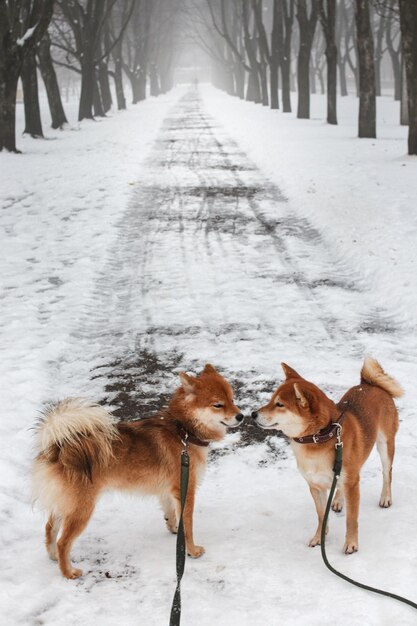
x: 239, y: 417
x: 255, y: 415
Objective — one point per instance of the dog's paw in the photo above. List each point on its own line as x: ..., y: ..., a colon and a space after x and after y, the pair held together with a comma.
x: 385, y: 502
x: 74, y: 573
x: 337, y: 506
x: 315, y: 541
x: 172, y: 525
x: 52, y: 553
x: 196, y: 552
x: 350, y: 547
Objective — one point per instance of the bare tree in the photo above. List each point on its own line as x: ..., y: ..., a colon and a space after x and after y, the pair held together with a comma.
x: 43, y: 52
x: 90, y: 46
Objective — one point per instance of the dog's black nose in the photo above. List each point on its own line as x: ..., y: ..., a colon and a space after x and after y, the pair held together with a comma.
x: 239, y: 417
x: 255, y: 414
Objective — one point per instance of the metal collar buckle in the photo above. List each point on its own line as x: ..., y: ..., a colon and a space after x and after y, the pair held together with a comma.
x: 185, y: 441
x: 339, y: 442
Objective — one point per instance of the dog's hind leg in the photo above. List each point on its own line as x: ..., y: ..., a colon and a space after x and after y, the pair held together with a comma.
x: 338, y: 500
x: 51, y: 532
x: 72, y: 526
x: 170, y: 516
x: 386, y: 449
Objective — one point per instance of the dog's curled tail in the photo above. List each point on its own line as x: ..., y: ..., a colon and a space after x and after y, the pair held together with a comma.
x: 79, y: 432
x: 373, y: 374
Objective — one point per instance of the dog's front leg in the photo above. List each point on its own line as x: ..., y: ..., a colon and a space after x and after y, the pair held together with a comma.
x: 170, y: 515
x: 193, y: 550
x: 319, y: 498
x: 352, y: 496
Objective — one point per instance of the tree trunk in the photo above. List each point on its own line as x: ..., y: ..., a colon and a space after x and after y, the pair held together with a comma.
x: 33, y: 123
x: 142, y: 82
x: 273, y: 82
x: 313, y: 89
x: 286, y: 84
x: 367, y: 94
x: 307, y: 27
x: 239, y: 79
x: 404, y: 118
x: 154, y: 80
x: 342, y: 78
x: 263, y: 69
x: 97, y: 99
x: 395, y: 60
x: 134, y: 83
x: 328, y: 18
x: 118, y: 85
x: 303, y: 81
x: 51, y: 83
x: 331, y: 57
x: 8, y: 89
x: 408, y: 20
x: 88, y: 81
x: 276, y: 52
x: 253, y: 91
x: 285, y: 52
x: 103, y: 79
x: 379, y: 54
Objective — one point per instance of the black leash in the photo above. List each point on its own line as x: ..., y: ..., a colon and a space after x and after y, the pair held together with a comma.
x: 337, y: 470
x: 175, y: 618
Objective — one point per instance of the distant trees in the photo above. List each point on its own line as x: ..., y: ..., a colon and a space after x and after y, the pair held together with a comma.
x: 98, y: 40
x: 260, y: 49
x: 279, y: 39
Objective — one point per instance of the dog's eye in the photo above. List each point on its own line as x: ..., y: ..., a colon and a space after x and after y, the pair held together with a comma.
x: 278, y: 404
x: 218, y: 405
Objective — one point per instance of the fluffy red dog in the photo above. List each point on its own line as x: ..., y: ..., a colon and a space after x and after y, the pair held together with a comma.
x: 300, y: 409
x: 84, y: 450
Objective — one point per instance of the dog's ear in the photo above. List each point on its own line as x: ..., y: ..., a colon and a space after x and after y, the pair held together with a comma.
x: 209, y: 369
x: 188, y: 383
x: 289, y: 372
x: 300, y: 396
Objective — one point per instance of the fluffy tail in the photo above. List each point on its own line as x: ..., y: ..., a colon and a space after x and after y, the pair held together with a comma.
x: 373, y: 374
x: 77, y: 432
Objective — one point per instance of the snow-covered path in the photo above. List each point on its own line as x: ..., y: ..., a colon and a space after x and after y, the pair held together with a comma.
x: 211, y: 263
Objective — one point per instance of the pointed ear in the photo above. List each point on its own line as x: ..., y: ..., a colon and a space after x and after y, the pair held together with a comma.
x: 209, y: 369
x: 300, y: 397
x: 289, y: 372
x: 187, y: 382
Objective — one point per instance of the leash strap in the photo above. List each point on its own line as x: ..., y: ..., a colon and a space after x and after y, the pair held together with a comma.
x: 337, y: 470
x: 175, y: 618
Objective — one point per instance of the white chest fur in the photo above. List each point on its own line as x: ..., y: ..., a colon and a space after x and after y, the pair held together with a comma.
x: 315, y: 467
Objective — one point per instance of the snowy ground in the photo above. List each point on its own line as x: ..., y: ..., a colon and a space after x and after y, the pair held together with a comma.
x: 150, y: 243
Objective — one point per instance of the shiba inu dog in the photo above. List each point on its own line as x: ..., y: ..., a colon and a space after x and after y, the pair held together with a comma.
x: 309, y: 418
x: 84, y: 450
